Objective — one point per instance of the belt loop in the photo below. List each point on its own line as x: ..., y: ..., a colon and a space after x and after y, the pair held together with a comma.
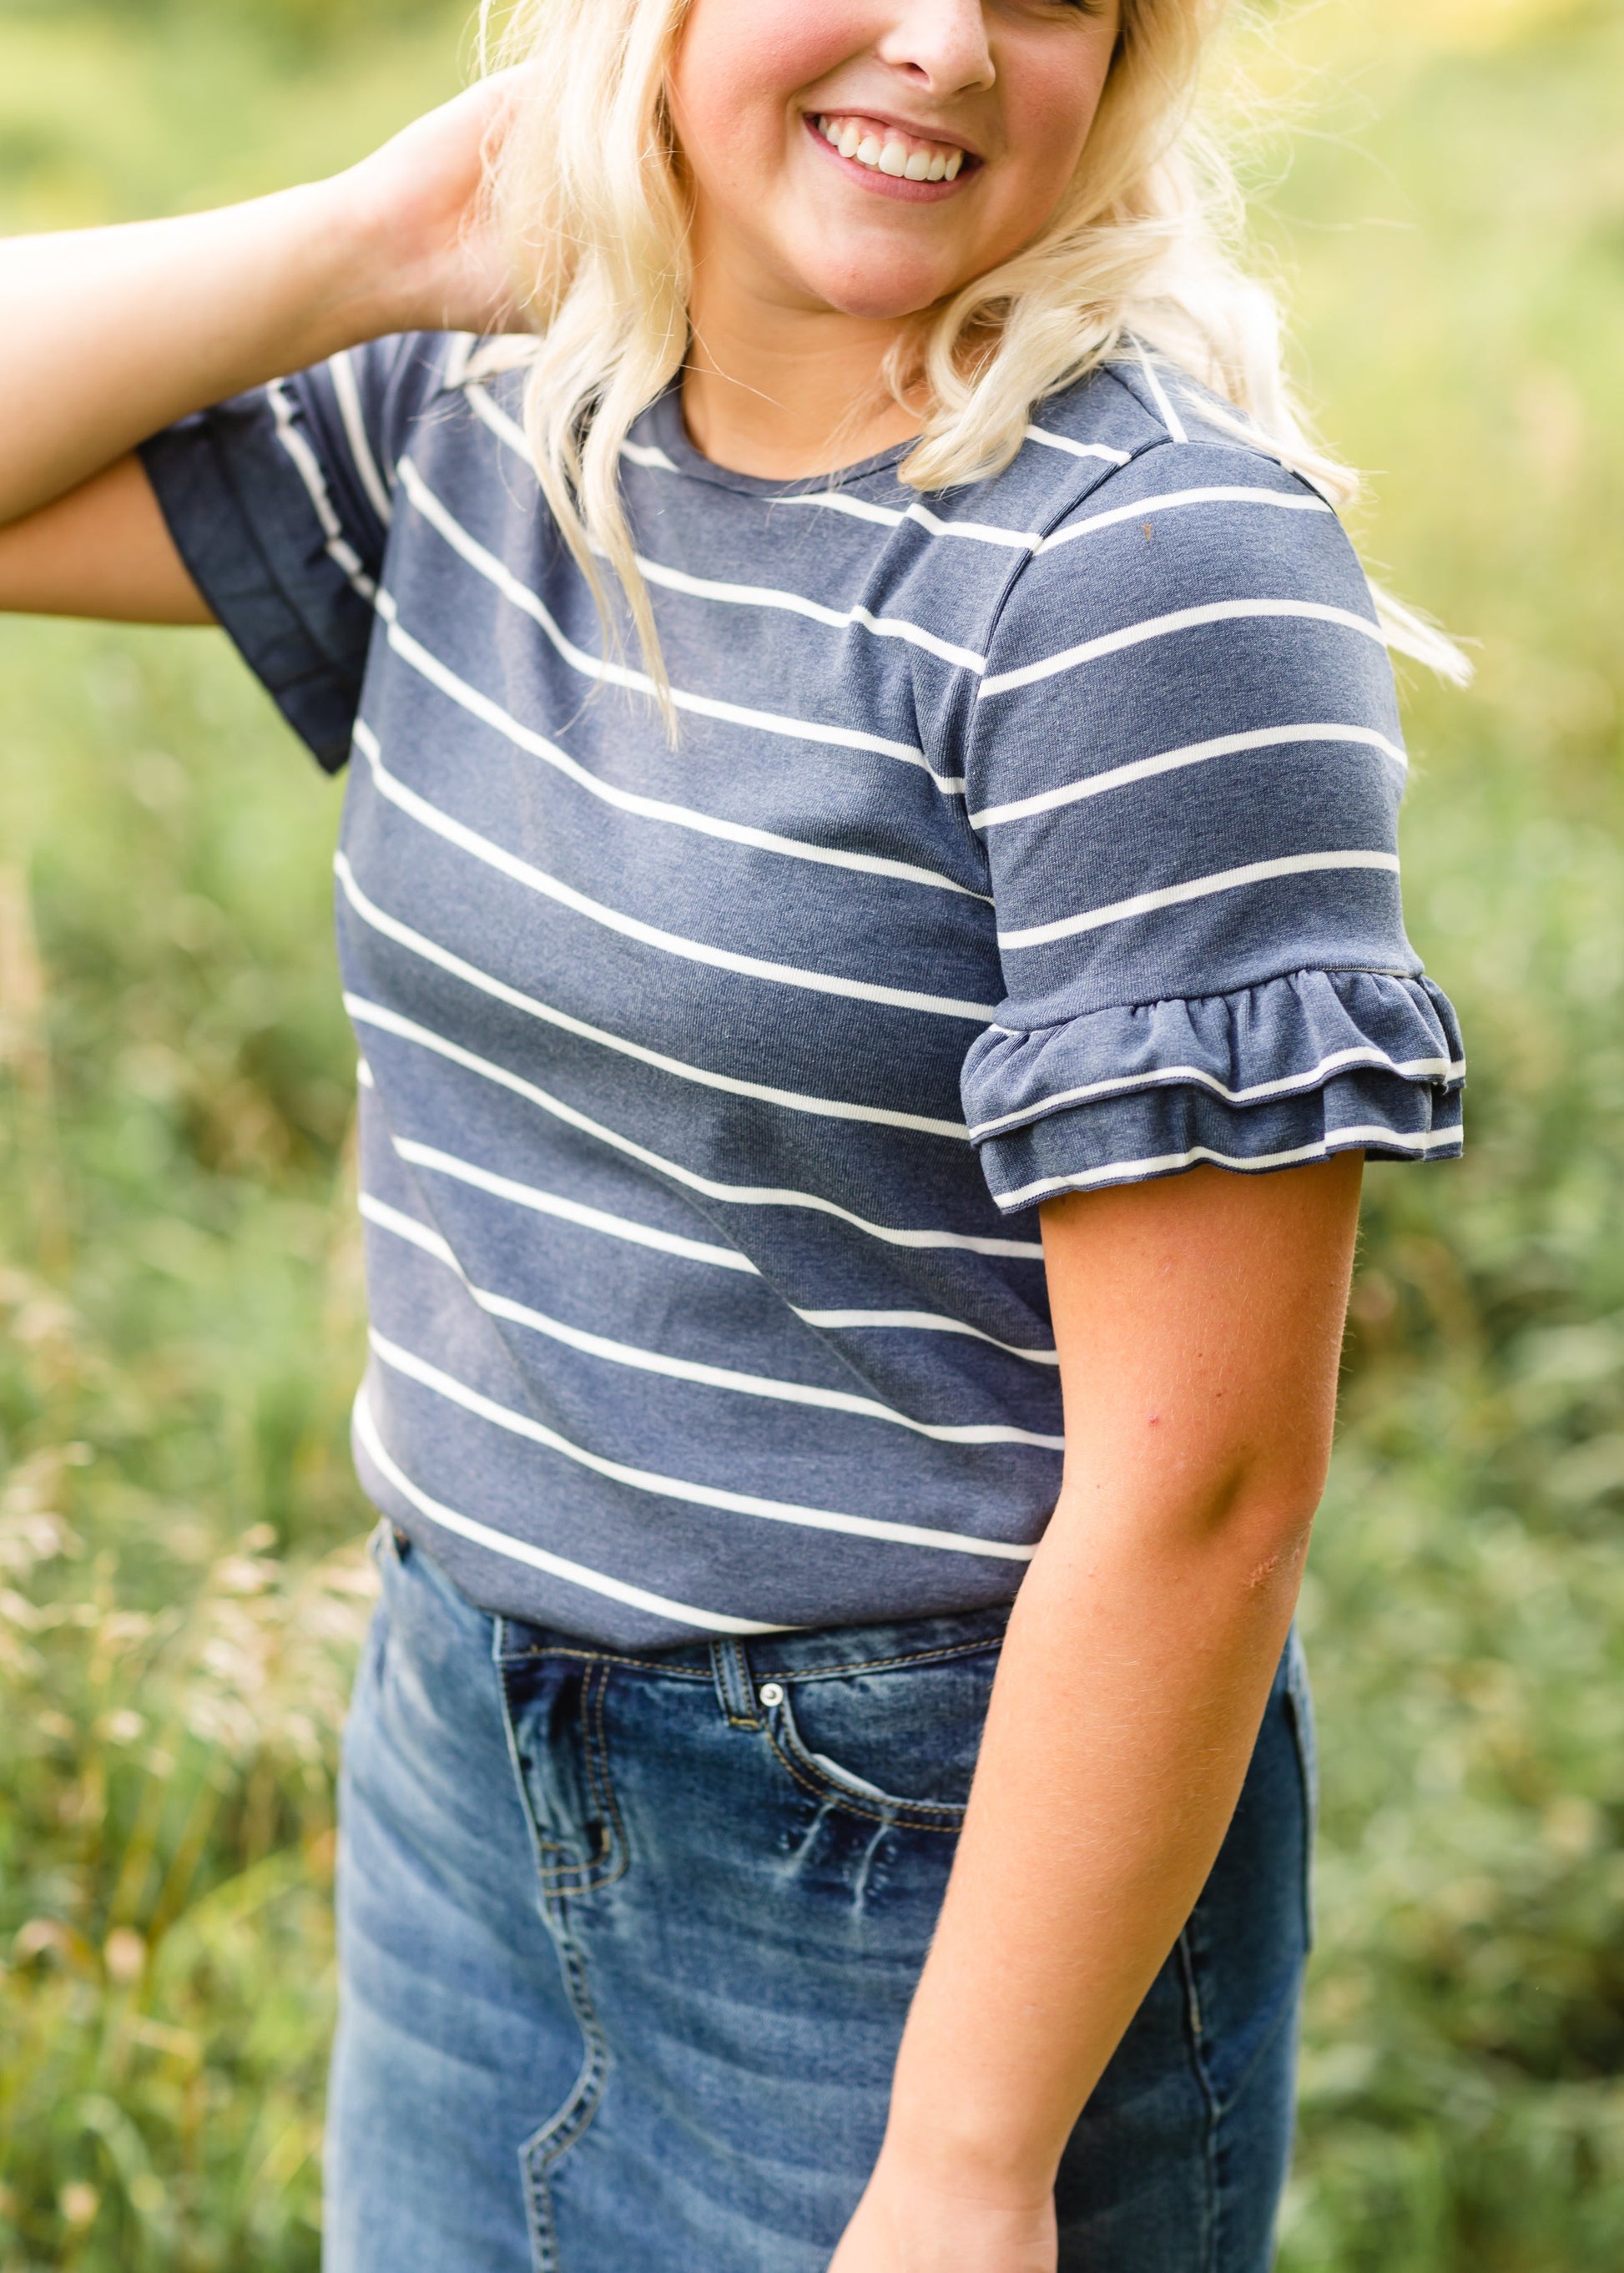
x: 735, y: 1688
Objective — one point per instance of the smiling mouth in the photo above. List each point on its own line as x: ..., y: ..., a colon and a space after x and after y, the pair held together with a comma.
x: 883, y: 149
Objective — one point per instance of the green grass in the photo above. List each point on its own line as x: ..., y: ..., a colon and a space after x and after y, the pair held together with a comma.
x: 181, y: 1586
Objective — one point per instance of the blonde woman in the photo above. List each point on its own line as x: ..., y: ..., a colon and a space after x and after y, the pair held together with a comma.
x: 868, y: 897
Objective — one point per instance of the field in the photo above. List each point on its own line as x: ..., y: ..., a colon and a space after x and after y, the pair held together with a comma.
x: 182, y: 1585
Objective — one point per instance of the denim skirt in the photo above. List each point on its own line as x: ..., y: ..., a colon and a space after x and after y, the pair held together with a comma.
x: 626, y: 1944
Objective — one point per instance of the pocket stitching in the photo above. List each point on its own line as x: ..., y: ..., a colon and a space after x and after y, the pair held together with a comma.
x: 805, y: 1772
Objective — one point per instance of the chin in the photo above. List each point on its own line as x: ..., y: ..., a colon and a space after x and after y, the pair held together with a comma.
x: 880, y: 294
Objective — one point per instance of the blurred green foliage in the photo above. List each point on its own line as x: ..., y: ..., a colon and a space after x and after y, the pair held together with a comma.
x: 181, y: 1587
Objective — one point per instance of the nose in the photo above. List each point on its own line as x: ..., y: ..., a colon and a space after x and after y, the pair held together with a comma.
x: 940, y: 45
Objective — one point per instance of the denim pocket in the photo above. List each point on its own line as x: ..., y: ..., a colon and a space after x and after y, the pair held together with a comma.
x: 898, y: 1745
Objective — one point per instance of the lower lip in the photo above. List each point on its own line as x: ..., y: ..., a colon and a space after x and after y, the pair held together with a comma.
x: 890, y: 185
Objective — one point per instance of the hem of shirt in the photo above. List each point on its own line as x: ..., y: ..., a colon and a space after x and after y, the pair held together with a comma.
x: 214, y: 535
x: 1379, y: 1147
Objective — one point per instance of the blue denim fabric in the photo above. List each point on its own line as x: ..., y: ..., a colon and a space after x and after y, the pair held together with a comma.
x: 628, y: 1944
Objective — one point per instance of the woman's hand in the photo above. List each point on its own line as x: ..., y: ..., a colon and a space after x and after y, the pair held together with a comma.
x: 908, y: 2222
x: 112, y: 334
x: 418, y: 220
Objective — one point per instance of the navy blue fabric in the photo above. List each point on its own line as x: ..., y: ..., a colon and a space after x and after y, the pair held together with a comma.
x: 1031, y: 838
x: 627, y: 1943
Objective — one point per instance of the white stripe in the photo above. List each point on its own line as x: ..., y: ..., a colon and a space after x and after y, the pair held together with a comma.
x: 692, y: 950
x: 925, y: 1322
x: 342, y: 369
x: 831, y: 500
x: 704, y: 1376
x: 461, y: 348
x: 829, y: 1108
x: 1193, y: 753
x: 650, y: 808
x: 363, y: 1074
x: 390, y: 1022
x: 1169, y: 416
x: 1214, y: 612
x: 1052, y: 441
x: 896, y: 628
x: 1172, y: 500
x: 893, y: 517
x: 407, y: 1227
x: 615, y: 674
x: 1335, y: 1140
x: 977, y: 532
x: 337, y: 546
x: 769, y: 595
x: 1408, y: 1069
x: 812, y: 1519
x: 519, y: 1551
x: 1198, y: 887
x: 425, y: 1156
x: 487, y: 407
x: 645, y: 454
x: 587, y: 1218
x: 883, y: 516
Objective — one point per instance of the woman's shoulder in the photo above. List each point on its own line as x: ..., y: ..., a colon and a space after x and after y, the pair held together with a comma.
x: 1137, y: 481
x: 1137, y: 434
x: 1194, y: 587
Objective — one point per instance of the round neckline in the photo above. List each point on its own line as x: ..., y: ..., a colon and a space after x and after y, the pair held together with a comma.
x: 669, y: 428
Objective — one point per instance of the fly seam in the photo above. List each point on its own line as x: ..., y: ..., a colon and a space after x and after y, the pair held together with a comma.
x: 546, y: 2146
x: 598, y: 1772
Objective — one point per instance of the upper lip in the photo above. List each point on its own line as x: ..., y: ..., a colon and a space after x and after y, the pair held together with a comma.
x: 913, y: 126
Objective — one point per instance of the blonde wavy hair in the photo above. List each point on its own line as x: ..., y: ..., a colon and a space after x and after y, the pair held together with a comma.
x: 587, y: 187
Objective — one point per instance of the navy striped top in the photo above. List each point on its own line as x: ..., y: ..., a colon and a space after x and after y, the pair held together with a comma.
x: 1031, y: 838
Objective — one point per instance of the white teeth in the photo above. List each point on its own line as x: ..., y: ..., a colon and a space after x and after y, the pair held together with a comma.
x: 890, y: 157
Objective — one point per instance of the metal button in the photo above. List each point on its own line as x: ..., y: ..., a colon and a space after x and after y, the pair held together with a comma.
x: 770, y: 1692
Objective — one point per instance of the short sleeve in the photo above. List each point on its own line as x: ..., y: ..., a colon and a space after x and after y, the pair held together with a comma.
x: 278, y: 501
x: 1185, y: 766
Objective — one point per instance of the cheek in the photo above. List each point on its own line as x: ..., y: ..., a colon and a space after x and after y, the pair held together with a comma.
x: 1049, y: 117
x: 740, y: 66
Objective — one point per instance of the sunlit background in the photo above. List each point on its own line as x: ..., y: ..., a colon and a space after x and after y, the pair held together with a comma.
x: 181, y: 1582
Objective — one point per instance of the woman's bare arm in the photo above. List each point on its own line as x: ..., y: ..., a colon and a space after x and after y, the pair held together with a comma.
x: 104, y: 549
x: 113, y: 334
x: 1199, y: 1322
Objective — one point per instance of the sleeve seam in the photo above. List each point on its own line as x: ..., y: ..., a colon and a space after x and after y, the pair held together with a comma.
x: 1089, y: 493
x: 1218, y: 993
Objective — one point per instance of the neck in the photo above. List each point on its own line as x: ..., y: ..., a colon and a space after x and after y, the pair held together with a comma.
x: 786, y: 390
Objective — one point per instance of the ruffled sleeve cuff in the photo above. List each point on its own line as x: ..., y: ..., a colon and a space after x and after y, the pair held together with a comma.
x: 243, y: 522
x: 1271, y: 1076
